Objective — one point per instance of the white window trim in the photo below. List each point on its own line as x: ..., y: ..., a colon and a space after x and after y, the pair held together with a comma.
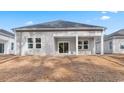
x: 83, y: 45
x: 30, y: 43
x: 37, y: 43
x: 110, y: 45
x: 12, y: 46
x: 80, y: 44
x: 120, y: 46
x: 64, y: 42
x: 34, y: 43
x: 3, y: 48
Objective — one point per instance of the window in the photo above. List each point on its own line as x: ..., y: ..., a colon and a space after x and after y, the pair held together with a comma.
x: 38, y: 42
x: 79, y: 45
x: 85, y: 44
x: 82, y: 45
x: 1, y: 48
x: 30, y: 42
x: 110, y: 45
x: 122, y: 46
x: 79, y: 42
x: 12, y: 46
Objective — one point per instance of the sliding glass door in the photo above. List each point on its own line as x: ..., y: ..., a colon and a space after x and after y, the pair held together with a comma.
x: 63, y: 47
x: 1, y: 48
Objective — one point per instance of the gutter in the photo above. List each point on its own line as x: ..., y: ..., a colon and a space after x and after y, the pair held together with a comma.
x: 60, y: 29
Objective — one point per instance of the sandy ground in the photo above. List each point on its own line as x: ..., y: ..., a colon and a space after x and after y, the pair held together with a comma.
x: 107, y: 68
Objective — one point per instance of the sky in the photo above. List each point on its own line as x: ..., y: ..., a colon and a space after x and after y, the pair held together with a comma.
x: 112, y: 20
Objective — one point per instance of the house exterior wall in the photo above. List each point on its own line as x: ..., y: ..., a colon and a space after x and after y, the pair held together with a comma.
x: 116, y: 45
x: 98, y: 47
x: 90, y: 46
x: 107, y: 48
x: 72, y: 44
x: 47, y: 40
x: 7, y: 44
x: 116, y: 42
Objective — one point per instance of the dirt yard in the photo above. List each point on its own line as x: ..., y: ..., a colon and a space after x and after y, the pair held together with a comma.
x: 105, y: 68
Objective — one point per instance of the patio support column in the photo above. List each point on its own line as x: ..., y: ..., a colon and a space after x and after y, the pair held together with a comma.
x: 76, y: 44
x: 102, y: 43
x: 94, y: 44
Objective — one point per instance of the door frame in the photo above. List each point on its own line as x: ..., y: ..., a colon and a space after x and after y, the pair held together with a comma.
x: 3, y: 47
x: 68, y: 46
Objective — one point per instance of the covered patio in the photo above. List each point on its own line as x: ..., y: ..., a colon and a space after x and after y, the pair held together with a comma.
x: 76, y: 45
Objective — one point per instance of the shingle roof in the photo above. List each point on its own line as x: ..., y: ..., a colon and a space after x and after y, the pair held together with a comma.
x: 6, y: 33
x: 60, y: 24
x: 117, y: 33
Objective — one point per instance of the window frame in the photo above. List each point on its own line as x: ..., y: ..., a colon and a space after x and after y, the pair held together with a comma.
x: 122, y: 44
x: 36, y: 43
x: 110, y: 45
x: 82, y: 45
x: 28, y: 43
x: 63, y: 43
x: 12, y: 45
x: 86, y: 44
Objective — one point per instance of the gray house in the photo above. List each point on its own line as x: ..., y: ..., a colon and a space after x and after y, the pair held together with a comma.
x: 57, y: 38
x: 113, y: 43
x: 6, y: 42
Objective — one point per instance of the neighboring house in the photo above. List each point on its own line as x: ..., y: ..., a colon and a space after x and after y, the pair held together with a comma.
x: 6, y: 42
x: 113, y: 43
x: 58, y: 37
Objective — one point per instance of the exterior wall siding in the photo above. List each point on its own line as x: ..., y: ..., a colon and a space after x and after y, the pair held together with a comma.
x: 48, y: 42
x: 107, y: 48
x: 116, y: 46
x: 71, y: 41
x: 88, y: 51
x: 116, y: 42
x: 7, y: 44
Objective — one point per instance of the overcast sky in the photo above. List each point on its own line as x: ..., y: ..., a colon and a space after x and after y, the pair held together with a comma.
x: 112, y: 20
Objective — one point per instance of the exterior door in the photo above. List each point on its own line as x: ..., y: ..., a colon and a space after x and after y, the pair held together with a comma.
x: 63, y: 47
x: 1, y: 48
